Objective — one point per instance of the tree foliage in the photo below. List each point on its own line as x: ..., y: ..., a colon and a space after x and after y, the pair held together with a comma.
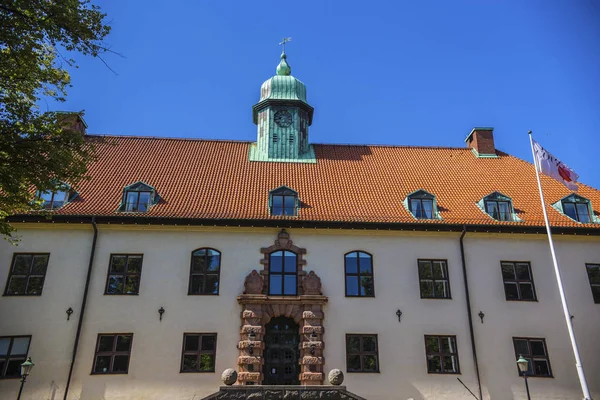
x: 39, y: 150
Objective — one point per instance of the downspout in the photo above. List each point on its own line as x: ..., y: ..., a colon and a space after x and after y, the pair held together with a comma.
x: 470, y: 315
x: 83, y: 302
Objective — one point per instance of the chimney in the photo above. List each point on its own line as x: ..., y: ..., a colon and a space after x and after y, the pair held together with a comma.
x: 72, y: 120
x: 481, y: 141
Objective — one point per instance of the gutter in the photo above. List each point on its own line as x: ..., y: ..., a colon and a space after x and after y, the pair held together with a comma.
x: 82, y: 312
x: 470, y: 315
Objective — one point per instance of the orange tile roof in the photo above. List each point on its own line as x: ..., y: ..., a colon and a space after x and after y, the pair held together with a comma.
x: 210, y: 179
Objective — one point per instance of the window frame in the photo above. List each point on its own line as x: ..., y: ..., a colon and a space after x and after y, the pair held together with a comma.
x: 442, y: 354
x: 9, y: 356
x: 518, y: 281
x: 434, y: 280
x: 283, y: 273
x: 497, y: 201
x: 358, y: 274
x: 113, y: 353
x: 592, y: 285
x: 199, y: 352
x: 361, y: 353
x: 137, y: 203
x: 283, y: 192
x: 28, y: 275
x: 422, y: 195
x: 529, y: 357
x: 574, y: 201
x: 204, y: 274
x: 124, y: 274
x: 53, y: 193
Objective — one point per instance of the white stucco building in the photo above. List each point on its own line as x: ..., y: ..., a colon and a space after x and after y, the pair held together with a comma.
x: 405, y: 267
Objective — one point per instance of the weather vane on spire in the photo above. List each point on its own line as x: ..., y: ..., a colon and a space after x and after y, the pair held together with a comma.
x: 284, y: 41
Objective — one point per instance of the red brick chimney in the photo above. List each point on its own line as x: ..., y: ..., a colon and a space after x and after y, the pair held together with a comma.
x: 482, y: 141
x: 72, y: 120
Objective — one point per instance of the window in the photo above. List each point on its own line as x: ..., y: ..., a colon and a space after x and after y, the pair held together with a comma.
x: 577, y: 208
x: 53, y: 200
x: 205, y: 271
x: 283, y: 201
x: 433, y: 277
x: 13, y: 353
x: 112, y: 353
x: 535, y: 351
x: 124, y: 274
x: 593, y: 271
x: 422, y: 205
x: 358, y: 267
x: 27, y: 274
x: 498, y: 206
x: 138, y: 197
x: 361, y: 353
x: 199, y: 352
x: 442, y: 354
x: 283, y: 273
x: 518, y: 281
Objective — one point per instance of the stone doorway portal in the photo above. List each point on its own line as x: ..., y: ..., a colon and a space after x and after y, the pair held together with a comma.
x: 281, y: 352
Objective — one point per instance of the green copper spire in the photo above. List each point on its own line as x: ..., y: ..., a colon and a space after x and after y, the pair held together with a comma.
x: 284, y: 68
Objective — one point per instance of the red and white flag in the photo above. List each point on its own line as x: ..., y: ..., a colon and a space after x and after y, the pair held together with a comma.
x: 554, y: 168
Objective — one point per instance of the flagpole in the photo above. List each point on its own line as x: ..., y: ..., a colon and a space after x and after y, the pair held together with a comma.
x: 578, y: 365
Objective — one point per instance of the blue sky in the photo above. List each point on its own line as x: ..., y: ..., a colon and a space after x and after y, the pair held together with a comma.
x: 378, y: 72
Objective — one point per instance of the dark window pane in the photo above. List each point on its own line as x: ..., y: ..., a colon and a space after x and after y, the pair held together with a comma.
x: 492, y: 209
x: 504, y: 208
x: 434, y: 364
x: 366, y: 286
x: 120, y: 363
x: 523, y: 271
x: 427, y: 209
x: 448, y: 345
x: 208, y: 342
x: 106, y: 343
x: 521, y: 347
x: 132, y: 284
x: 115, y: 284
x: 425, y: 269
x: 511, y: 291
x: 2, y: 365
x: 537, y: 348
x: 364, y: 262
x: 190, y: 362
x: 35, y: 285
x: 212, y: 284
x: 191, y: 342
x: 352, y: 286
x: 596, y: 293
x: 102, y: 364
x: 352, y: 344
x: 196, y: 284
x: 527, y: 291
x: 22, y: 264
x: 207, y: 362
x: 276, y: 261
x: 123, y: 343
x: 290, y: 205
x: 541, y: 367
x: 569, y: 209
x: 4, y: 344
x: 39, y: 265
x: 198, y: 264
x: 426, y: 288
x: 594, y: 273
x: 353, y: 363
x: 214, y: 261
x: 277, y: 205
x: 439, y: 270
x: 144, y: 201
x: 441, y: 289
x: 20, y: 346
x: 289, y: 262
x: 351, y: 263
x: 14, y: 367
x: 17, y: 285
x: 450, y: 364
x: 369, y: 343
x: 415, y: 206
x: 369, y: 363
x: 508, y: 271
x: 275, y: 284
x: 583, y: 212
x: 432, y: 344
x: 134, y: 265
x: 118, y: 264
x: 131, y: 201
x: 289, y: 287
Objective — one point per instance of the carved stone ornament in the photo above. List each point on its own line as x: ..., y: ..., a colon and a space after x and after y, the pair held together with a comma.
x: 229, y: 376
x: 283, y: 239
x: 253, y: 283
x: 311, y: 283
x: 336, y: 377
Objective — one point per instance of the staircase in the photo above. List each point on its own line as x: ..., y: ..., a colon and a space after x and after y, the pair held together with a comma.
x: 289, y: 392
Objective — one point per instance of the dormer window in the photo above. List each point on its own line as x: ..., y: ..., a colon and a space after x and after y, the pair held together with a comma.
x: 422, y: 205
x: 52, y: 200
x: 283, y: 201
x: 499, y: 207
x: 138, y: 197
x: 577, y: 208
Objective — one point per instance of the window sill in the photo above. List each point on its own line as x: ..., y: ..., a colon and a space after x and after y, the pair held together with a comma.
x: 121, y: 294
x: 363, y: 372
x: 109, y: 373
x: 524, y: 300
x: 444, y: 373
x: 197, y: 372
x: 436, y: 298
x: 21, y: 295
x: 360, y: 297
x: 203, y: 294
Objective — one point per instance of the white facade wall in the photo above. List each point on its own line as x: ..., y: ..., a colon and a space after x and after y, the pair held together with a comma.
x: 156, y: 352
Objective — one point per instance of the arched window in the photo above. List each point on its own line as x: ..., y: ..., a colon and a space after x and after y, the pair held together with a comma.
x: 205, y: 271
x: 358, y: 267
x: 283, y: 273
